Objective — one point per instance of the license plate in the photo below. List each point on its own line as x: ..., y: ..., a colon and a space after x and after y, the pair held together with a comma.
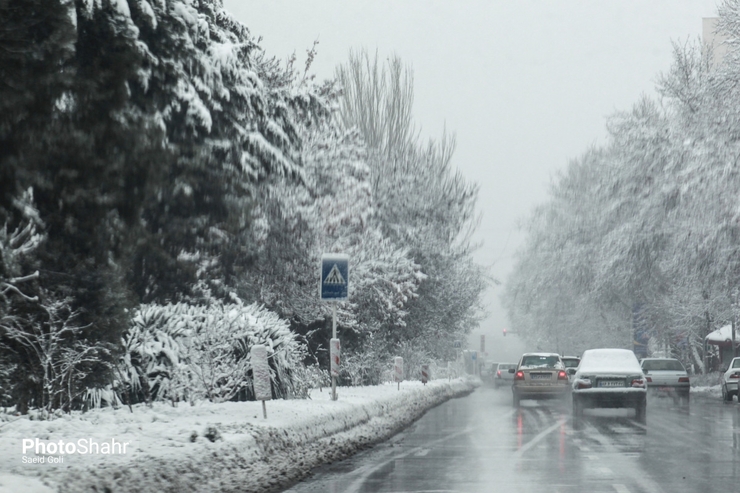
x: 611, y: 383
x: 539, y: 376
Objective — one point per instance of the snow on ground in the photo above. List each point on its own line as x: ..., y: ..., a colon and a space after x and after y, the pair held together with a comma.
x: 169, y: 450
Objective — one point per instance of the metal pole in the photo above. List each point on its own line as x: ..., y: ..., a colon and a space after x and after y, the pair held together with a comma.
x: 333, y: 336
x: 264, y: 410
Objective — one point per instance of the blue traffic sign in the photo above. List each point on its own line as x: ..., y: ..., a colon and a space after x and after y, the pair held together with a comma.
x: 334, y: 284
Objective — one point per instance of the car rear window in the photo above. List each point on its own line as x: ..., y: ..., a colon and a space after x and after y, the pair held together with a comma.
x: 571, y: 362
x: 662, y: 364
x: 605, y: 360
x: 535, y: 361
x: 506, y: 366
x: 736, y: 363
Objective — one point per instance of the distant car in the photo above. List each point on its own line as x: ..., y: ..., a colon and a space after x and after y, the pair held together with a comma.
x: 667, y: 376
x: 571, y: 363
x: 730, y: 380
x: 539, y: 376
x: 502, y: 375
x: 609, y: 378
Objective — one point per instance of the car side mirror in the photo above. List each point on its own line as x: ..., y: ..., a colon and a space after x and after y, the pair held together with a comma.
x: 511, y: 370
x: 571, y: 371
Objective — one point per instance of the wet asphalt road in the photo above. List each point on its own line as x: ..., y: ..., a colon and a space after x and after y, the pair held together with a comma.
x: 480, y: 443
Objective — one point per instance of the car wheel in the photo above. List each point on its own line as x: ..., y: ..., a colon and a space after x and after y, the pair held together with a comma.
x: 577, y: 408
x: 641, y: 411
x: 726, y: 396
x: 685, y: 400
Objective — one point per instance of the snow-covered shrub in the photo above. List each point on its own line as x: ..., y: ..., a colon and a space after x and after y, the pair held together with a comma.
x: 362, y: 368
x: 309, y: 377
x: 187, y: 352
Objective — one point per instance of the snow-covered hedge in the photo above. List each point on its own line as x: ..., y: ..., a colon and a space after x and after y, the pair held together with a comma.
x: 182, y: 352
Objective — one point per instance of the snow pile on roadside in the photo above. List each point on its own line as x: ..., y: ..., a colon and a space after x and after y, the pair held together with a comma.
x: 217, y: 447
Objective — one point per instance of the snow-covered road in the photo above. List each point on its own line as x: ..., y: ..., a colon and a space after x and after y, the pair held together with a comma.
x: 169, y: 449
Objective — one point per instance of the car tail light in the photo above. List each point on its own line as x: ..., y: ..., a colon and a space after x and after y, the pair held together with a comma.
x: 562, y: 375
x: 519, y: 375
x: 583, y: 384
x: 683, y: 379
x: 735, y: 375
x: 498, y: 373
x: 638, y: 382
x: 650, y: 380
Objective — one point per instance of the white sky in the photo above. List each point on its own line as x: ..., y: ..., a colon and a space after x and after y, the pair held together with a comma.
x: 525, y: 85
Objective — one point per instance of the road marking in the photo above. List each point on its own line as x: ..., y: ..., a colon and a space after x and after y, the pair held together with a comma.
x: 638, y: 477
x: 621, y: 488
x: 366, y: 471
x: 638, y: 424
x: 422, y: 453
x: 518, y: 454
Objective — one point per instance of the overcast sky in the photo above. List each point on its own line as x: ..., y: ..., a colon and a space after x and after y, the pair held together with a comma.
x: 525, y: 85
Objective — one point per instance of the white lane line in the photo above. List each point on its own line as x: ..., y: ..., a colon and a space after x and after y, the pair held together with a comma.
x: 518, y: 454
x: 636, y: 474
x: 621, y: 488
x: 638, y: 424
x: 366, y: 471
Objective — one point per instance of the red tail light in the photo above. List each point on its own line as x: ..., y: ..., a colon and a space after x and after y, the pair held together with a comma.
x: 638, y: 382
x: 683, y: 379
x: 562, y: 375
x: 583, y: 384
x: 498, y: 373
x: 735, y: 375
x: 650, y: 380
x: 519, y: 375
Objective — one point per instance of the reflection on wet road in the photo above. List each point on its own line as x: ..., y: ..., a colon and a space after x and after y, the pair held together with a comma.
x: 480, y: 443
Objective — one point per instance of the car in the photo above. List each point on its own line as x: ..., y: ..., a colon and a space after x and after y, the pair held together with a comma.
x: 667, y: 377
x: 730, y: 380
x: 539, y: 376
x: 502, y: 375
x: 609, y: 377
x: 571, y: 363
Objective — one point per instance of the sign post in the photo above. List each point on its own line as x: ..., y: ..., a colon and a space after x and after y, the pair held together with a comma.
x: 334, y: 286
x: 424, y: 374
x: 398, y: 370
x: 261, y: 375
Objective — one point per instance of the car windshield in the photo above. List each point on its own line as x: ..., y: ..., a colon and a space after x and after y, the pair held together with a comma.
x: 571, y: 362
x: 541, y: 361
x: 662, y: 365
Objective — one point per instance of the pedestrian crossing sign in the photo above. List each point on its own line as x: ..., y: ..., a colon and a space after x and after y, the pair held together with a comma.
x: 334, y: 281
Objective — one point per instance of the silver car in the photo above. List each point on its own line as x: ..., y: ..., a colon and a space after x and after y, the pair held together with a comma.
x: 667, y: 377
x: 730, y: 380
x: 502, y: 375
x: 539, y: 376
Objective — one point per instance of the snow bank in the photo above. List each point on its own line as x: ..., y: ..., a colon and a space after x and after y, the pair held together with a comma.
x: 171, y: 451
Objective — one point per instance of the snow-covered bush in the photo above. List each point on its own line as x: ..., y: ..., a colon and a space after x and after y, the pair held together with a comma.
x: 187, y: 352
